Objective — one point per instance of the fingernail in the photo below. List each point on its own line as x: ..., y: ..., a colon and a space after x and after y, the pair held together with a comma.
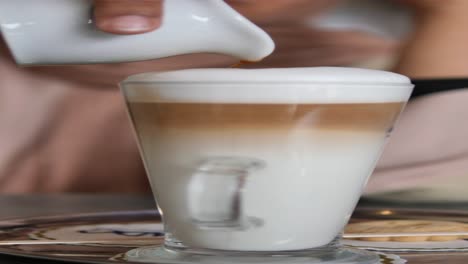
x: 130, y: 24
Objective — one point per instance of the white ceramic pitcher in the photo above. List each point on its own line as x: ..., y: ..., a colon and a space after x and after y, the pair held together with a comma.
x: 62, y: 32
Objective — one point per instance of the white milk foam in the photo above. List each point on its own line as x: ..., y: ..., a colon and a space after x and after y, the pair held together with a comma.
x: 306, y: 181
x: 287, y: 85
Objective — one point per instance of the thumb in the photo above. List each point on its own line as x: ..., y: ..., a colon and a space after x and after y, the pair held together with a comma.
x: 127, y: 16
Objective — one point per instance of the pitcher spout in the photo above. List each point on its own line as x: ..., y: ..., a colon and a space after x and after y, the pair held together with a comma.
x: 236, y: 35
x: 251, y: 44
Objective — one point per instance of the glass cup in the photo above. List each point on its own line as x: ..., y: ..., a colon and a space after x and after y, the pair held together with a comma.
x: 260, y: 164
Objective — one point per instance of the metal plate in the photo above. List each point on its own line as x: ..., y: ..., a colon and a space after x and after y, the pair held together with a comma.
x: 454, y: 240
x: 61, y: 237
x: 100, y: 238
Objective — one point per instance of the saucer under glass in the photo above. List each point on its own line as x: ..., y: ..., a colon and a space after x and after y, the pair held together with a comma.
x: 178, y: 254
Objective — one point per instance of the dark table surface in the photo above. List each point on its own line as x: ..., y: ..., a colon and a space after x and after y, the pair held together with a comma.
x: 20, y: 206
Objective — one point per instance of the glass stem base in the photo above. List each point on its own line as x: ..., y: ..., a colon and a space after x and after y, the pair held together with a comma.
x: 165, y: 254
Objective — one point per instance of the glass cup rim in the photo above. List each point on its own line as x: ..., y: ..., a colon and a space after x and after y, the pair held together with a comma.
x: 176, y: 82
x: 273, y: 93
x: 340, y: 76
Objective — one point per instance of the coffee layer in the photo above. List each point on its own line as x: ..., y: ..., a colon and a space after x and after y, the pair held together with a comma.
x: 266, y: 116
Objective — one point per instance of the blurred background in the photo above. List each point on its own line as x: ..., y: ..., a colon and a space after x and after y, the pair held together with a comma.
x: 64, y: 128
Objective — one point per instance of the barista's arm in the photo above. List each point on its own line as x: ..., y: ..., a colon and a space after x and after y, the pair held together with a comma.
x: 436, y: 53
x: 426, y: 156
x: 438, y: 46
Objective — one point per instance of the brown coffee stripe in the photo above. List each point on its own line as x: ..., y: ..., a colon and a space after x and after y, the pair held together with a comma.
x: 376, y: 116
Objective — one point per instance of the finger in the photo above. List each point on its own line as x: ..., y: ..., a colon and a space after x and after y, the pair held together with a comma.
x: 128, y: 16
